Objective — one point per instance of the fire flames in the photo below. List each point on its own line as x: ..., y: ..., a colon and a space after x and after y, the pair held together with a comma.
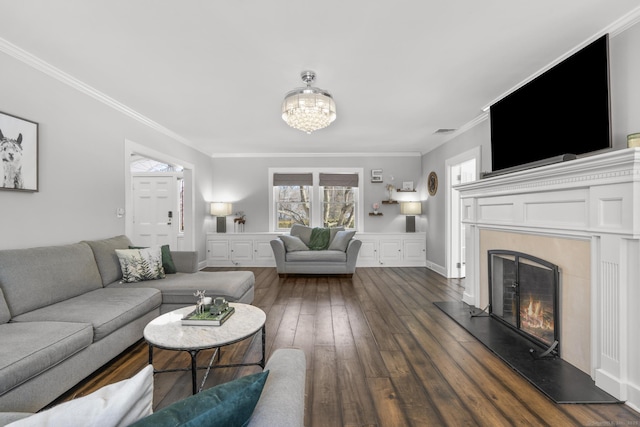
x: 533, y: 316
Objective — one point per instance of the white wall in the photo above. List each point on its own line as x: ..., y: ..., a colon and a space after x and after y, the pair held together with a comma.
x: 81, y: 163
x: 625, y: 116
x: 245, y: 182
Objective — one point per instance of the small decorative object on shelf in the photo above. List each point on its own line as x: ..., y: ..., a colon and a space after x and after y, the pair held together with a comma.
x: 376, y: 206
x: 407, y: 186
x: 390, y: 189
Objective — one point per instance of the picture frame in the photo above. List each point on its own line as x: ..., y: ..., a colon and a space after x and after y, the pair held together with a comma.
x: 407, y: 185
x: 18, y: 154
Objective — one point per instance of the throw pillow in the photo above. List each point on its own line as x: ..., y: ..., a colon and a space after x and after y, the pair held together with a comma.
x: 230, y: 404
x: 118, y: 404
x: 140, y: 264
x: 320, y: 238
x: 293, y: 243
x: 341, y: 240
x: 167, y: 260
x: 301, y: 231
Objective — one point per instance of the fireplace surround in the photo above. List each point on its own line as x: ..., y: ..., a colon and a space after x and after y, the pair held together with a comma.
x: 585, y: 213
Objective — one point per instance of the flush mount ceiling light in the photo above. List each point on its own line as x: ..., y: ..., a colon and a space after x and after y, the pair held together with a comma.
x: 308, y: 108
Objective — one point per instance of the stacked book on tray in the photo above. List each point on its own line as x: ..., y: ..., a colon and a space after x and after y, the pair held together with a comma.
x: 206, y: 318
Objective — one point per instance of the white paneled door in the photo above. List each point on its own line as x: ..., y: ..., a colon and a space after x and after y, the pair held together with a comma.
x: 155, y: 210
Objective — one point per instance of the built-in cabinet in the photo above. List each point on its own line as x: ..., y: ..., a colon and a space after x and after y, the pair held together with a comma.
x: 378, y: 249
x: 397, y: 249
x: 240, y: 249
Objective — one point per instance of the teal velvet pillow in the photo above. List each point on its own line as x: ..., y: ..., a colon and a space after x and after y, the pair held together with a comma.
x: 229, y: 404
x: 167, y: 261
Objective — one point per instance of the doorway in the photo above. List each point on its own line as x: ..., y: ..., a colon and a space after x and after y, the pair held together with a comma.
x: 159, y: 198
x: 459, y: 169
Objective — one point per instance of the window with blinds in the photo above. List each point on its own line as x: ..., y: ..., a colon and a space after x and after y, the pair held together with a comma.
x: 317, y: 199
x: 339, y: 197
x: 292, y: 199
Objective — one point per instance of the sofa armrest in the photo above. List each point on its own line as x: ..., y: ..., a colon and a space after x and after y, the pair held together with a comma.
x: 282, y: 400
x: 185, y: 261
x: 279, y: 251
x: 353, y: 248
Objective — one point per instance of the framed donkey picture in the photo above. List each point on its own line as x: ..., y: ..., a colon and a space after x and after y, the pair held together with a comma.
x: 18, y: 154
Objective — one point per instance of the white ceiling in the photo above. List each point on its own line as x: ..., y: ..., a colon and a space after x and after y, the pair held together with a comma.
x: 213, y: 73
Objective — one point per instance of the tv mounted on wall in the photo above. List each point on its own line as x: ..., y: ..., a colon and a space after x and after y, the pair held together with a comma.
x: 557, y: 116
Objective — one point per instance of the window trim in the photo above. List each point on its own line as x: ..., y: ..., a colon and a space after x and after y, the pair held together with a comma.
x: 314, y: 193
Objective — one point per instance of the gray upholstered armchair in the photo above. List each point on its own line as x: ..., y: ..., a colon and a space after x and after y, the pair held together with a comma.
x: 293, y: 255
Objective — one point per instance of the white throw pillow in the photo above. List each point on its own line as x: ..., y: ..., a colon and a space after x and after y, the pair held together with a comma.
x: 293, y: 243
x: 141, y: 264
x: 341, y: 241
x: 119, y: 404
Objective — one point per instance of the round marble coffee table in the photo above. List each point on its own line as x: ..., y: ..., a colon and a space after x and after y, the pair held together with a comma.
x: 167, y: 332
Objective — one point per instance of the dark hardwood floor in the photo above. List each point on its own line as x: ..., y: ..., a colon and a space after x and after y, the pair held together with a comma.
x: 379, y: 353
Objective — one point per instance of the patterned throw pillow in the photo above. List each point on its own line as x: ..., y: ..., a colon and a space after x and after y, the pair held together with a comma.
x: 140, y: 264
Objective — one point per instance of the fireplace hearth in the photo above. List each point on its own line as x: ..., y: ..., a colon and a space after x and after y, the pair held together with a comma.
x: 523, y: 294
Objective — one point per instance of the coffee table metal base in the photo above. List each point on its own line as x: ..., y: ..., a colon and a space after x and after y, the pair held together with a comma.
x: 194, y: 364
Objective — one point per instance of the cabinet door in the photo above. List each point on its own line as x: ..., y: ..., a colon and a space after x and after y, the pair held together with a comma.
x: 262, y: 253
x: 218, y: 250
x: 368, y: 254
x: 390, y: 251
x: 242, y: 251
x: 415, y: 251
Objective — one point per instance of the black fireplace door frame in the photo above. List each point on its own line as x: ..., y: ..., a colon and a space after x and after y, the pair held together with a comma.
x: 556, y: 275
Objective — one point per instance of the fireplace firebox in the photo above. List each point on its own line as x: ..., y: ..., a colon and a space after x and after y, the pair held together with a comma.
x: 523, y: 294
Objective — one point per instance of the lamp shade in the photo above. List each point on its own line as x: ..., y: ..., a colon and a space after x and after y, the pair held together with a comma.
x: 221, y: 208
x: 410, y: 208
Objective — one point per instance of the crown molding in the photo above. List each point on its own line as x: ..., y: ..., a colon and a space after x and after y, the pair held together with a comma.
x: 250, y: 155
x: 614, y: 29
x: 48, y: 69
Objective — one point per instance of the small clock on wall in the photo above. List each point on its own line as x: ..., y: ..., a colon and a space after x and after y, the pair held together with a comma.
x: 432, y: 184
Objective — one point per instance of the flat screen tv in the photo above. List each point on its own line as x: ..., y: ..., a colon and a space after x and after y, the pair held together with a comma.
x: 559, y: 115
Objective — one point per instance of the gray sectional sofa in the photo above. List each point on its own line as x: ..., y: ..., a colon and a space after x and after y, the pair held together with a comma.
x: 293, y: 255
x: 64, y: 314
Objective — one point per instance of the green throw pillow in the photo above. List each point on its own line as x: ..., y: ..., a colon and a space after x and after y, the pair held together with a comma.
x: 167, y: 260
x: 230, y: 404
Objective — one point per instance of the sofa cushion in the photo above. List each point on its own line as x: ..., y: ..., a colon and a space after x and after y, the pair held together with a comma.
x: 304, y: 232
x: 38, y: 277
x: 117, y: 404
x: 316, y: 256
x: 106, y: 309
x: 293, y: 243
x: 341, y: 240
x: 179, y: 288
x: 139, y: 265
x: 29, y: 349
x: 230, y: 404
x: 5, y: 314
x: 105, y: 255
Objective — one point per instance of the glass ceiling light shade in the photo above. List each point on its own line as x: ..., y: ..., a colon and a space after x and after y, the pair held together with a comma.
x: 308, y: 108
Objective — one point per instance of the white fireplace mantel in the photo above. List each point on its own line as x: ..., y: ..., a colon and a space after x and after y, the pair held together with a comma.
x: 594, y: 198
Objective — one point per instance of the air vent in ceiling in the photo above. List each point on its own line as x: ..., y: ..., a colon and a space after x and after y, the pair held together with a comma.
x: 445, y: 130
